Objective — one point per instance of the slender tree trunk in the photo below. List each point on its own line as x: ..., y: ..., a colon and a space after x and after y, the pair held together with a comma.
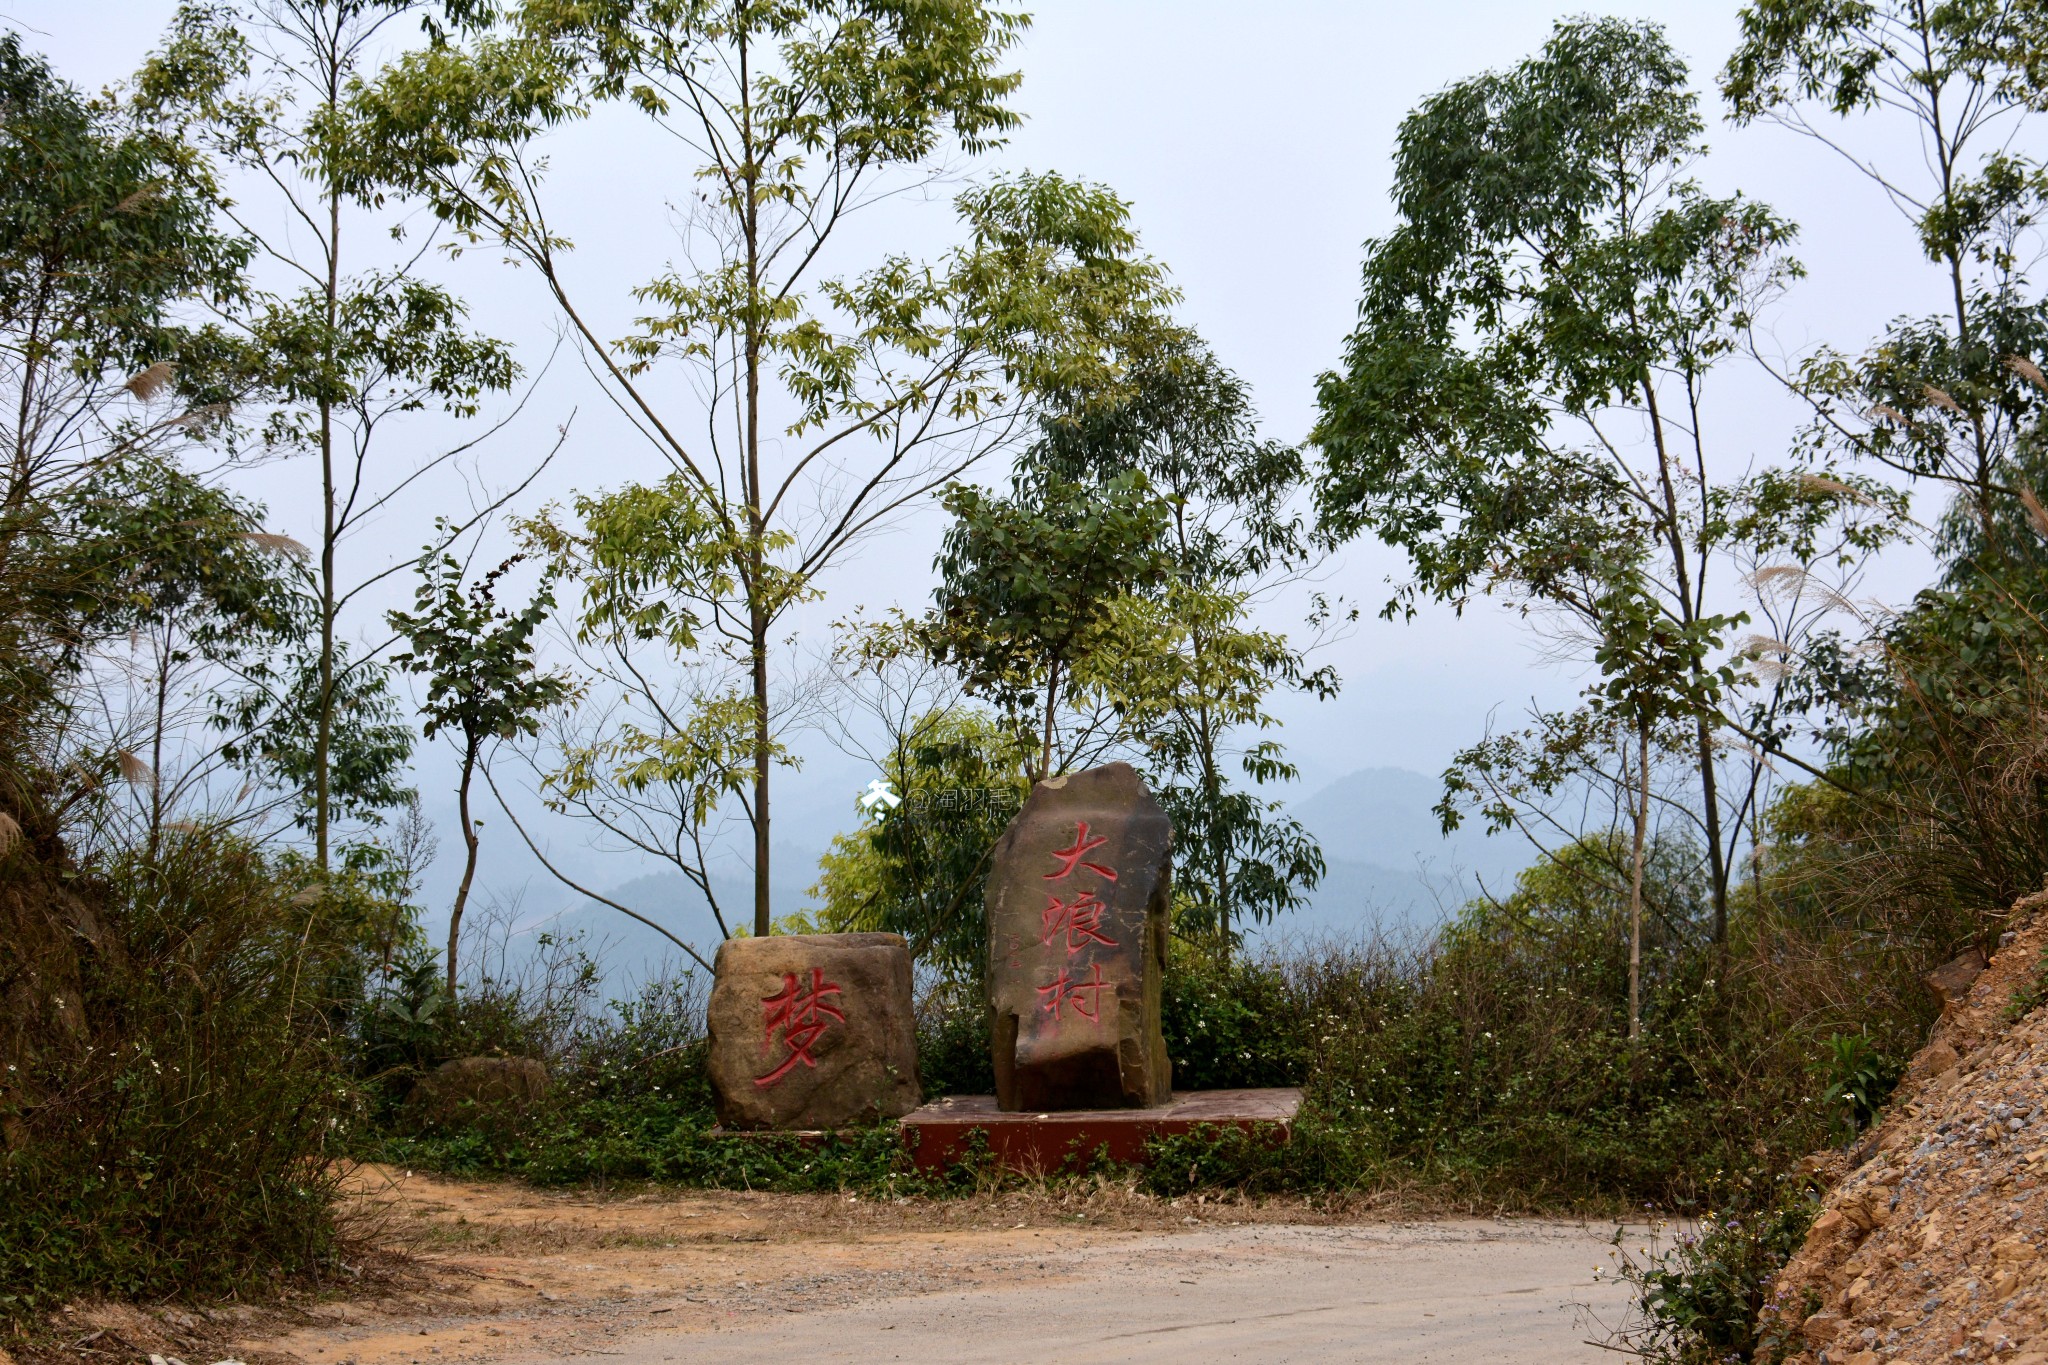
x: 1052, y: 694
x: 156, y: 746
x: 1212, y: 780
x: 1717, y: 856
x: 1688, y: 611
x: 761, y: 755
x: 469, y: 847
x: 1635, y: 890
x: 1944, y: 154
x: 31, y: 373
x: 758, y: 618
x: 323, y: 739
x: 1212, y: 792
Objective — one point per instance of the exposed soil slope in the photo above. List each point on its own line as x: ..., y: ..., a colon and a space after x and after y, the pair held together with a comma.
x: 1929, y: 1247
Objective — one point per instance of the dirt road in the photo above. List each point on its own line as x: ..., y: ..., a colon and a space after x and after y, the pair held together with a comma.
x: 1461, y: 1291
x: 503, y: 1273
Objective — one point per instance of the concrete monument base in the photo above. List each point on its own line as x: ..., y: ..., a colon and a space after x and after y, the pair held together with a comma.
x: 939, y: 1132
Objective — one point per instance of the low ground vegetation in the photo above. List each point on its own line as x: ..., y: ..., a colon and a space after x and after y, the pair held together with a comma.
x: 186, y: 1100
x: 1487, y: 1066
x: 1488, y: 1063
x: 1923, y: 1243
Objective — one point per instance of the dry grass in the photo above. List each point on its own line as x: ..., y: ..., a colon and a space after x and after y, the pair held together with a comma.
x: 410, y: 1213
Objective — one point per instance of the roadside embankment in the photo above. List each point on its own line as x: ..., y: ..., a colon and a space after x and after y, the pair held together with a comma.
x: 1929, y: 1245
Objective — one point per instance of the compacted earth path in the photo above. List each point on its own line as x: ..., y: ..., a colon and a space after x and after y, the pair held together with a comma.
x: 501, y: 1272
x: 1448, y: 1291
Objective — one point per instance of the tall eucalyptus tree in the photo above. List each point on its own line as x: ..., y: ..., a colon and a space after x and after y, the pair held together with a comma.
x: 1523, y: 408
x: 799, y: 404
x: 346, y: 336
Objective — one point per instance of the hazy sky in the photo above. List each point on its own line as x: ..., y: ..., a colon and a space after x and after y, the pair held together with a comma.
x: 1253, y: 143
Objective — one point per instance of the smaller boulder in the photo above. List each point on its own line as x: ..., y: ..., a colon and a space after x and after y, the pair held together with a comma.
x: 472, y: 1088
x: 812, y: 1031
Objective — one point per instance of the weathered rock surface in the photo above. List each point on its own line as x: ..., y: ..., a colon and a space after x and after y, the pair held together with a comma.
x: 1952, y: 979
x: 1930, y: 1245
x: 1077, y: 912
x: 812, y: 1031
x: 473, y: 1088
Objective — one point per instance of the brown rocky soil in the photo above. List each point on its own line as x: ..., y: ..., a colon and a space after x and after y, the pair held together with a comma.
x: 1929, y: 1246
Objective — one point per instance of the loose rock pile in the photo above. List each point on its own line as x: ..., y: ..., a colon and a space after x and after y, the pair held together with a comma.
x: 1930, y: 1246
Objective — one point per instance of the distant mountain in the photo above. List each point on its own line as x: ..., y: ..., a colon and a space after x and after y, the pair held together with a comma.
x: 1357, y: 900
x: 809, y: 813
x: 627, y: 950
x: 1387, y: 816
x: 1389, y: 868
x: 1389, y: 863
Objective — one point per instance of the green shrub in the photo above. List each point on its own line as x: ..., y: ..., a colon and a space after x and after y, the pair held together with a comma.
x: 1228, y: 1026
x: 2030, y: 994
x: 1860, y: 1079
x: 601, y: 1141
x: 1319, y: 1156
x: 955, y: 1055
x: 1233, y: 1025
x: 181, y: 1147
x: 1701, y: 1301
x: 1489, y: 1064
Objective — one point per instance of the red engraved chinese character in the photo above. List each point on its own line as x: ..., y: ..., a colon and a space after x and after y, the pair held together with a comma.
x: 1080, y: 919
x: 1071, y: 857
x: 802, y: 1016
x: 1066, y: 990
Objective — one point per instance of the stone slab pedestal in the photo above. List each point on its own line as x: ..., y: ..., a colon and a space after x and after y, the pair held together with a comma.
x: 1035, y: 1144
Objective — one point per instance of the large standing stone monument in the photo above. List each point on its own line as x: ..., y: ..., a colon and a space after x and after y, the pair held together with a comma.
x: 811, y: 1031
x: 1077, y: 915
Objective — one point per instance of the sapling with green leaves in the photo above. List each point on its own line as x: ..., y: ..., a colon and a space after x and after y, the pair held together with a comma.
x: 1937, y: 106
x: 1524, y: 410
x: 1192, y: 681
x: 346, y: 338
x: 214, y: 609
x: 1948, y: 398
x: 140, y: 601
x: 919, y: 868
x: 1651, y: 678
x: 808, y: 393
x: 1029, y: 589
x: 1195, y: 699
x: 668, y: 736
x: 483, y: 683
x: 107, y: 247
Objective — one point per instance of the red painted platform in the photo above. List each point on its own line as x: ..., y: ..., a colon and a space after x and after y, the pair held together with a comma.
x: 1037, y: 1143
